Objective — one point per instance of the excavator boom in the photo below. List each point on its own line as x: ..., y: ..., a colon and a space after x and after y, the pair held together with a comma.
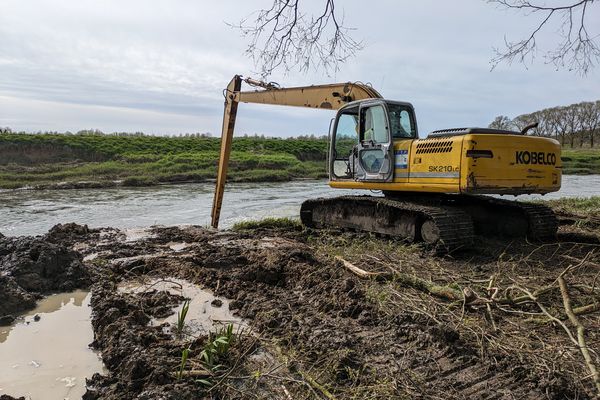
x: 327, y: 97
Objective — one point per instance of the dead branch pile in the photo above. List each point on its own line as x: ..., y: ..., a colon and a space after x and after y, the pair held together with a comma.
x: 527, y: 307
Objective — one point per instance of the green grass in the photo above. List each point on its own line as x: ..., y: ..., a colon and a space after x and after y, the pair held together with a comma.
x: 581, y: 161
x: 577, y: 205
x: 268, y: 223
x: 43, y: 160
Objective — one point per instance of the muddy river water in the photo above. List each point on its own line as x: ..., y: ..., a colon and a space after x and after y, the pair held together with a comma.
x: 29, y: 212
x: 40, y: 359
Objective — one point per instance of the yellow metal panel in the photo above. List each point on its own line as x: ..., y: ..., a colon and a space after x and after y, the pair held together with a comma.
x: 520, y: 164
x: 401, y: 187
x: 436, y: 160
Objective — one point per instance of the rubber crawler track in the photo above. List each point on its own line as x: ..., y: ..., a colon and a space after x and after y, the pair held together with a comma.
x: 380, y: 214
x: 542, y: 222
x: 457, y: 217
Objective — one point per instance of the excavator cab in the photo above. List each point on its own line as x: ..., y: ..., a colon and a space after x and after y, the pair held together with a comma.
x: 363, y: 137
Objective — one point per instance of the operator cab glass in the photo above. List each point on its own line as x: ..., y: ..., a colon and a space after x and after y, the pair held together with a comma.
x: 402, y: 121
x: 363, y: 139
x: 344, y: 142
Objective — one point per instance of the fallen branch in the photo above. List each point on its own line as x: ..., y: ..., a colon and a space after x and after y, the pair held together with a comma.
x: 195, y: 373
x: 361, y: 273
x: 316, y: 385
x: 412, y: 281
x: 590, y: 308
x: 585, y: 351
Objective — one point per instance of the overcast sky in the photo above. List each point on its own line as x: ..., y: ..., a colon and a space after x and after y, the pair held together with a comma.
x: 160, y: 66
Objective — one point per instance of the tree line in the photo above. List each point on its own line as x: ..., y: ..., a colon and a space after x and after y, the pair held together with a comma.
x: 577, y: 124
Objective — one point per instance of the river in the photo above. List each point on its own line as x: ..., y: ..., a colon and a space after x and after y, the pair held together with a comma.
x: 33, y: 212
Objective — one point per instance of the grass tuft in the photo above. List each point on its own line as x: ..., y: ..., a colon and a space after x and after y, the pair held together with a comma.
x: 268, y: 223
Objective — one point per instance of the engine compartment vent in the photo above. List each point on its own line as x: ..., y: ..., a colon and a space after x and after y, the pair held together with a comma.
x: 465, y: 131
x: 434, y: 146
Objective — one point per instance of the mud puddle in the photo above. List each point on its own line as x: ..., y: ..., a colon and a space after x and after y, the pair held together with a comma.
x: 45, y: 354
x: 206, y: 311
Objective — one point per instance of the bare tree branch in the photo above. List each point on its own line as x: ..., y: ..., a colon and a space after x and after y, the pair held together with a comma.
x: 577, y: 50
x: 283, y: 36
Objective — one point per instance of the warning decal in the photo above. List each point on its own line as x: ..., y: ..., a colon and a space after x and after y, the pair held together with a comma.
x: 401, y: 159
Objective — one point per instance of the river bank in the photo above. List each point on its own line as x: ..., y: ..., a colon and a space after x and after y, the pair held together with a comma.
x: 314, y: 329
x: 58, y: 161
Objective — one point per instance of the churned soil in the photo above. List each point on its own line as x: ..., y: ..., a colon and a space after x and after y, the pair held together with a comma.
x: 317, y: 330
x: 31, y: 267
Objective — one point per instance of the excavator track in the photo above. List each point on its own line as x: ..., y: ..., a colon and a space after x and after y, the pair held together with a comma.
x: 443, y: 222
x: 507, y: 218
x: 442, y: 228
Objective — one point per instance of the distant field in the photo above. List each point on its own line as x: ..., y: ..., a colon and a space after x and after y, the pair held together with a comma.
x: 57, y: 160
x: 44, y: 160
x: 581, y: 161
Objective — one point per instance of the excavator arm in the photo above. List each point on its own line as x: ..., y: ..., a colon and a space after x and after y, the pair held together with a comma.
x: 327, y: 97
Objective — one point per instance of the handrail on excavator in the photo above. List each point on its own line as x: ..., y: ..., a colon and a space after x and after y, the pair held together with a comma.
x: 327, y: 97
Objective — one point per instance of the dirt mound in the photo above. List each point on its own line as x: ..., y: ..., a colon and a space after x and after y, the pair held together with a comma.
x: 7, y: 397
x: 31, y: 267
x: 67, y: 234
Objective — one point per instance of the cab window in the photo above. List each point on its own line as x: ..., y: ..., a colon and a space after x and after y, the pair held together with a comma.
x: 346, y: 137
x: 401, y: 121
x: 374, y: 125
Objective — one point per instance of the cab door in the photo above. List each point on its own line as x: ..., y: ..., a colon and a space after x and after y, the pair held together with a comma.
x: 375, y: 150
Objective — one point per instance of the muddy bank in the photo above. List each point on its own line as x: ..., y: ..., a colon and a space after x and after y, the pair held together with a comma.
x: 31, y: 267
x: 317, y: 330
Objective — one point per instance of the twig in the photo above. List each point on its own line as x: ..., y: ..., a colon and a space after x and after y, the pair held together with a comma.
x: 545, y: 311
x: 585, y: 351
x: 492, y: 291
x: 423, y: 285
x: 317, y: 385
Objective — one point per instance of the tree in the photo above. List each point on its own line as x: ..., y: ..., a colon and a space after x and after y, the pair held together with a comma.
x: 289, y: 35
x: 285, y: 35
x: 590, y: 120
x: 577, y: 47
x: 521, y: 121
x: 502, y: 122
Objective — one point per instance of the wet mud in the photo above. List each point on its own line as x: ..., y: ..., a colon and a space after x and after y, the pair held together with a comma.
x: 312, y: 329
x: 31, y: 267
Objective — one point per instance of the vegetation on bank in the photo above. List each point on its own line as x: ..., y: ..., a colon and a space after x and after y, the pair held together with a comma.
x: 577, y: 205
x: 97, y: 160
x: 289, y: 224
x: 583, y: 161
x: 47, y: 159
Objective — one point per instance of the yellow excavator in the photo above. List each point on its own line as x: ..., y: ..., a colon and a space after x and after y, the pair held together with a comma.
x: 434, y: 189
